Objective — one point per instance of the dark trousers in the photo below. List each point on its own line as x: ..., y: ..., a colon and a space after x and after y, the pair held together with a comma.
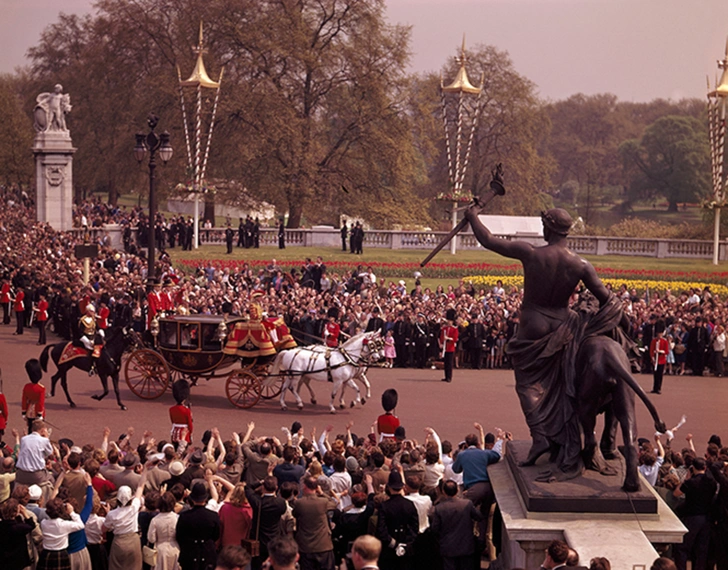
x: 457, y: 562
x: 449, y: 361
x: 343, y: 244
x: 6, y: 313
x: 281, y: 243
x: 718, y: 367
x: 476, y: 357
x: 20, y: 319
x: 657, y: 378
x: 695, y: 543
x: 317, y: 560
x: 230, y: 246
x: 42, y: 332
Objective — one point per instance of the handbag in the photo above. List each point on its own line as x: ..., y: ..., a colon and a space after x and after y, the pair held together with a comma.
x: 149, y: 555
x: 253, y: 546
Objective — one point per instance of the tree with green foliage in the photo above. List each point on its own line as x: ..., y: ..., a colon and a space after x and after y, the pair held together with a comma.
x: 672, y: 159
x: 16, y: 135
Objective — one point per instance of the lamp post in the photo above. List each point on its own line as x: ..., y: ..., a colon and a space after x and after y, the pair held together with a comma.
x: 152, y: 142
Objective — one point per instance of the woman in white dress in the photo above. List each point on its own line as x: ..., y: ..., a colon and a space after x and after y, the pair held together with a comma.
x: 123, y: 521
x: 162, y: 532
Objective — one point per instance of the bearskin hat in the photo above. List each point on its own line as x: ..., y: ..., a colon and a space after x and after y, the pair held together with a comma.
x: 333, y: 312
x: 389, y: 399
x: 180, y: 391
x: 451, y: 315
x: 35, y: 372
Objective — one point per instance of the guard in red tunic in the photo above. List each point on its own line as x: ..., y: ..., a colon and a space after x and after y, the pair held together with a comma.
x: 659, y: 347
x: 42, y: 318
x: 448, y: 342
x: 154, y: 302
x: 180, y: 415
x: 33, y: 401
x: 5, y: 301
x: 332, y: 329
x: 19, y: 308
x: 3, y: 410
x: 388, y: 422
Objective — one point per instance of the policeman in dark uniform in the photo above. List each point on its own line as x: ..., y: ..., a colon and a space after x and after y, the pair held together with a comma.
x: 475, y: 335
x: 344, y: 235
x: 229, y: 235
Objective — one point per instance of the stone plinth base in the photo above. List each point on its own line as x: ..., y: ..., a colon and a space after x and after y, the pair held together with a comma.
x: 54, y: 179
x: 589, y: 493
x: 625, y: 539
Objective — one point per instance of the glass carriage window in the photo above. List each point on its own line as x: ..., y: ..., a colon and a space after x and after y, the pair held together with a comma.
x: 209, y: 337
x: 167, y: 334
x: 189, y: 336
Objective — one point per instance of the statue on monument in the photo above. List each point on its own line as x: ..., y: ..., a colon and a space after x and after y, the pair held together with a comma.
x: 51, y: 109
x: 568, y: 365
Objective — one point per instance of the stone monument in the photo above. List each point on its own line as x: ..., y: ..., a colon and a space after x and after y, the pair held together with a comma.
x: 53, y: 152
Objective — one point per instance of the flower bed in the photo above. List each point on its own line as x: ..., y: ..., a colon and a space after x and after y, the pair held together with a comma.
x: 677, y: 279
x: 641, y: 285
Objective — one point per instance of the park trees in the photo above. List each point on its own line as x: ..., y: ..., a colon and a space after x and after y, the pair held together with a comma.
x: 672, y: 159
x: 16, y: 134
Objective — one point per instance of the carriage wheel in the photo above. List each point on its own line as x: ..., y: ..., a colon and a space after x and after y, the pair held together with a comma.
x: 147, y: 374
x: 243, y: 389
x: 273, y: 390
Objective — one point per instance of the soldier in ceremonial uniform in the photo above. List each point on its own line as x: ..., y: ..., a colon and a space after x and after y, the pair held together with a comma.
x: 19, y: 308
x: 388, y: 422
x: 448, y: 342
x: 33, y: 402
x: 89, y: 337
x: 180, y: 414
x: 5, y: 301
x: 332, y: 328
x: 421, y: 341
x: 42, y: 319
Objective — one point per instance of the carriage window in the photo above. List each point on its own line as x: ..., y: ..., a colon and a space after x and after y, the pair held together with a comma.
x: 189, y: 336
x: 209, y: 337
x: 168, y: 335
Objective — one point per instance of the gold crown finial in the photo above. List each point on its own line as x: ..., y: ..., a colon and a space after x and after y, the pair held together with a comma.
x: 721, y: 87
x: 461, y: 83
x: 199, y: 75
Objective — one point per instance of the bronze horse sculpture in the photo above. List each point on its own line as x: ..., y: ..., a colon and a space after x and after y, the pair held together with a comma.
x: 107, y: 365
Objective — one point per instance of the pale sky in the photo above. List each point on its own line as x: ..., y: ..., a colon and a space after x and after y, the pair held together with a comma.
x: 637, y: 49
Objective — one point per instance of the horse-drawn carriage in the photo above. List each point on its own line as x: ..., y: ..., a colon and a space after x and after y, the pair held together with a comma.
x: 245, y: 351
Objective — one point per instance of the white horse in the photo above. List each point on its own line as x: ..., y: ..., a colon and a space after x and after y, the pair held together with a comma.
x: 336, y: 365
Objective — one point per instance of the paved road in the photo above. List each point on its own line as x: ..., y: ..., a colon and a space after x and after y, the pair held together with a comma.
x: 485, y: 396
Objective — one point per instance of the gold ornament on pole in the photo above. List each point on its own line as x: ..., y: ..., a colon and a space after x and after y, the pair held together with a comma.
x: 196, y: 163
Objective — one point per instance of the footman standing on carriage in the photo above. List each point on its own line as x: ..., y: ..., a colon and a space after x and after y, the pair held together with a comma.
x: 154, y: 302
x: 180, y: 414
x: 33, y: 401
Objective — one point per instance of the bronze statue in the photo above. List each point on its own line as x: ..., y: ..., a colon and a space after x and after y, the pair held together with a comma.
x: 567, y: 369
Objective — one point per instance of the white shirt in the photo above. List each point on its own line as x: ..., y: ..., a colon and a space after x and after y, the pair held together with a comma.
x: 650, y: 472
x: 423, y: 503
x: 719, y: 342
x: 34, y: 448
x: 56, y: 531
x: 124, y: 520
x: 341, y: 482
x: 94, y: 526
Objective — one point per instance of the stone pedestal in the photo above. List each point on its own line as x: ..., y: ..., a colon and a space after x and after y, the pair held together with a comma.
x: 53, y: 152
x: 626, y: 539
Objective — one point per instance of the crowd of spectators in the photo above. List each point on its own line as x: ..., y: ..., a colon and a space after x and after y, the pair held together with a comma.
x: 39, y: 261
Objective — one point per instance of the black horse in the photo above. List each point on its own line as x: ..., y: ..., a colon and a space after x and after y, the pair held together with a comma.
x: 108, y: 363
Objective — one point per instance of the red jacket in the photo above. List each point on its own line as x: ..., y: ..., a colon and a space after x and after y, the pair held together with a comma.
x: 661, y: 344
x: 42, y: 311
x: 155, y: 306
x: 332, y: 334
x: 5, y: 293
x: 182, y: 415
x: 102, y: 320
x: 386, y: 424
x: 451, y: 333
x: 19, y: 305
x: 3, y: 412
x: 34, y: 397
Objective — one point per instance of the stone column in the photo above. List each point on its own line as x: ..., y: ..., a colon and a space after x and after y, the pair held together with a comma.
x: 53, y: 152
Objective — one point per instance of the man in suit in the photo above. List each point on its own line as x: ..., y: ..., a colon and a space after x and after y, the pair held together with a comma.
x: 313, y: 534
x: 476, y: 335
x: 452, y: 521
x: 229, y: 234
x: 397, y: 526
x: 365, y: 552
x: 74, y: 481
x: 267, y: 511
x: 344, y: 235
x: 197, y: 530
x: 375, y: 323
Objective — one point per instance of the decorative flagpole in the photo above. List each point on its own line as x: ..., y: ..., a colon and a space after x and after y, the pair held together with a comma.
x: 200, y: 80
x: 459, y: 113
x: 716, y: 129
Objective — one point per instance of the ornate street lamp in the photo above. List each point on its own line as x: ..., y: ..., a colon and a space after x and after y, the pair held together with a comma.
x: 153, y: 143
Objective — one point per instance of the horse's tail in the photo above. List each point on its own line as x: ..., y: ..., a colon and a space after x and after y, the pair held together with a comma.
x: 624, y: 372
x: 44, y: 357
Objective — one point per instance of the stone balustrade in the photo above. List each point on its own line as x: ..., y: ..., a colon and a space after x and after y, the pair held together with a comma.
x: 427, y: 240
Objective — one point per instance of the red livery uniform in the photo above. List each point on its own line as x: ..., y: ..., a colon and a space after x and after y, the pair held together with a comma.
x: 5, y: 293
x: 332, y: 334
x: 167, y: 300
x: 42, y: 311
x: 449, y: 336
x: 3, y: 415
x: 102, y: 318
x: 33, y: 402
x: 181, y: 417
x: 19, y: 305
x: 154, y: 300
